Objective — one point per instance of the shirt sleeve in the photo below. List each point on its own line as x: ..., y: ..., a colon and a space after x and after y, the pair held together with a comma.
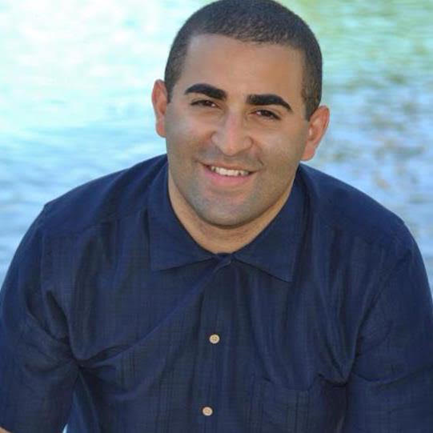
x: 391, y: 385
x: 37, y: 371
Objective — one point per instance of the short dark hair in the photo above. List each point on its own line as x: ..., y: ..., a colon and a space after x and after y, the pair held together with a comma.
x: 256, y: 21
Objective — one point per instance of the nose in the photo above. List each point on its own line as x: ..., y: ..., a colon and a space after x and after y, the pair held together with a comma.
x: 231, y: 135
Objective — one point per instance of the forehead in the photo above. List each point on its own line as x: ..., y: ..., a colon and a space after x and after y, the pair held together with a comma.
x: 242, y: 67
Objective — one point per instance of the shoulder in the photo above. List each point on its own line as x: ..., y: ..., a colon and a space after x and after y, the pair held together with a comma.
x: 343, y: 208
x: 102, y: 200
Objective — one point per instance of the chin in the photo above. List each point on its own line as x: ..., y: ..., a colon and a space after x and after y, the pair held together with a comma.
x: 228, y: 220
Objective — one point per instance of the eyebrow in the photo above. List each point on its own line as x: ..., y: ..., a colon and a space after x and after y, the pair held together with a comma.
x: 208, y: 90
x: 255, y: 99
x: 268, y: 99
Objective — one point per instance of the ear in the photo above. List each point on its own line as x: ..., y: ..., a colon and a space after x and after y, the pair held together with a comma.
x: 318, y: 125
x: 159, y: 102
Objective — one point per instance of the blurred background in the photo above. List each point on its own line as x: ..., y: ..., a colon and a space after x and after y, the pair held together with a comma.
x: 76, y: 77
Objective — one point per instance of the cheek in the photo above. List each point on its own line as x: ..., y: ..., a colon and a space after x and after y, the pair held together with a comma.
x: 284, y: 152
x: 178, y: 136
x: 182, y: 130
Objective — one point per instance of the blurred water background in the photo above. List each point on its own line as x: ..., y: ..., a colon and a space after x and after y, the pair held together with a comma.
x: 76, y: 76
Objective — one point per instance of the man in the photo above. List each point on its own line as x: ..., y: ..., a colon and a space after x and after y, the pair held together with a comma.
x: 225, y: 287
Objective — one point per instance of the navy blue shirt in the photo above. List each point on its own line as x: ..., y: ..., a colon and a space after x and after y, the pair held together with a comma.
x: 114, y: 320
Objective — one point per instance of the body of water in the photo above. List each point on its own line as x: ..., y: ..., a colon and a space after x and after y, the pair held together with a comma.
x: 75, y: 86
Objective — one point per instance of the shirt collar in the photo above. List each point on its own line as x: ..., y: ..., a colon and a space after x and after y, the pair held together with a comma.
x: 273, y: 250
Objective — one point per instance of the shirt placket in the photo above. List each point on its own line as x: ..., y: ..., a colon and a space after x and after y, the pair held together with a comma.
x: 212, y: 343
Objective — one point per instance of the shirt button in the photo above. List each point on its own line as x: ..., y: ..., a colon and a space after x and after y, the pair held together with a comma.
x: 207, y: 411
x: 214, y: 339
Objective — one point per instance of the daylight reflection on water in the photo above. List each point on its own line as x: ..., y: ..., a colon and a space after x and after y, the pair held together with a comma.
x: 75, y: 99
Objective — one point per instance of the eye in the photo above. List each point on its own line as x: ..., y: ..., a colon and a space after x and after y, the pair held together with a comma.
x: 267, y: 114
x: 204, y: 103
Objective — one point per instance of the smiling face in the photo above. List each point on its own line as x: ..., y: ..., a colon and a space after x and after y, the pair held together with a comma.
x: 235, y: 130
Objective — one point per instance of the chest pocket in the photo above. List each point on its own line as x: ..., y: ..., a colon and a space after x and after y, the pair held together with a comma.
x: 275, y: 409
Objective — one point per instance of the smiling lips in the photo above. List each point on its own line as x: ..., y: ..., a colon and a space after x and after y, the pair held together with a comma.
x: 228, y: 172
x: 227, y: 178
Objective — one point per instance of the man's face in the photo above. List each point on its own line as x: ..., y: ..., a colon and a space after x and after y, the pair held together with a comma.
x: 235, y: 129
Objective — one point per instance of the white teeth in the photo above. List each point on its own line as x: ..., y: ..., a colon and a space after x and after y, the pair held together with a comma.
x: 225, y: 172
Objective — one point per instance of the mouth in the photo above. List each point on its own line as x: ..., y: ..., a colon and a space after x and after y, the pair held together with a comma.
x: 225, y: 177
x: 230, y: 172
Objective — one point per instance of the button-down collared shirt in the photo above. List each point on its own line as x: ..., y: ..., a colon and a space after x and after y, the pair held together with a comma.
x: 115, y: 320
